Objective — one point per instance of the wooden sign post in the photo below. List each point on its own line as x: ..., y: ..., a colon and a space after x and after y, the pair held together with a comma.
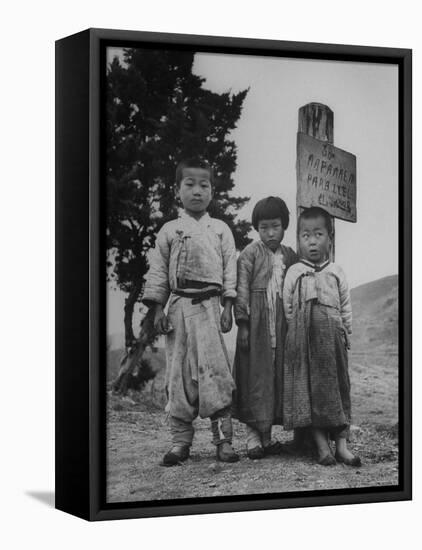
x: 326, y: 175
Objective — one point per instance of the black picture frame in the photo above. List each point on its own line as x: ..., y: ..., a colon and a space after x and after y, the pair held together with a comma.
x: 80, y: 280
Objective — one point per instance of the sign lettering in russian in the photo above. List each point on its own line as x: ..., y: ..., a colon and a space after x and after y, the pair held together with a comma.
x: 326, y: 177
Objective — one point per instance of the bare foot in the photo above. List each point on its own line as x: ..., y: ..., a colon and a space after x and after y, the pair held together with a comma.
x: 327, y: 460
x: 325, y: 457
x: 344, y: 455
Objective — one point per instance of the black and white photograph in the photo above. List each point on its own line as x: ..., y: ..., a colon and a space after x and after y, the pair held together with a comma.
x: 208, y: 302
x: 251, y: 233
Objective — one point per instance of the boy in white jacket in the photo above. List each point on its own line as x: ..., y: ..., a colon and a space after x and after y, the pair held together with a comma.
x: 193, y: 266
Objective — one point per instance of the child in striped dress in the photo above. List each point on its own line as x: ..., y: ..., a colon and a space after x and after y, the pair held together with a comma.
x: 318, y: 309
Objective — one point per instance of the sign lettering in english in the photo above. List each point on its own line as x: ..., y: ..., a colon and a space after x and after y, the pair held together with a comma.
x: 326, y: 177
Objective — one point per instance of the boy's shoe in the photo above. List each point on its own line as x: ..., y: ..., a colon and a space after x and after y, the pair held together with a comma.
x: 175, y: 456
x: 274, y: 448
x: 226, y: 453
x: 256, y: 453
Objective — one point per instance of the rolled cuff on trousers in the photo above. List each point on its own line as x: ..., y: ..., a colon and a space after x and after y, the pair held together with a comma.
x: 221, y: 427
x: 181, y: 432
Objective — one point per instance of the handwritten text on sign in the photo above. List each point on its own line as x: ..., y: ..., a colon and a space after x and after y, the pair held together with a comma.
x: 326, y: 177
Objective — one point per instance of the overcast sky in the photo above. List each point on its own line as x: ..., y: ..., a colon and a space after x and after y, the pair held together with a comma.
x: 364, y: 98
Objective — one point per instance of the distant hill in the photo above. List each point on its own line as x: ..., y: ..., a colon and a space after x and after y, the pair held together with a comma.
x: 375, y: 316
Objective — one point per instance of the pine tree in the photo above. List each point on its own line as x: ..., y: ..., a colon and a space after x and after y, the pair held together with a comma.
x: 158, y: 112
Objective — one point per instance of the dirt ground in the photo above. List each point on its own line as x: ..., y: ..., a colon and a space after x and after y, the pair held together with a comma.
x: 138, y: 436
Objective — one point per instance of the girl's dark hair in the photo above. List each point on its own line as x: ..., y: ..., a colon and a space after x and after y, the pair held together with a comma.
x: 316, y: 212
x: 269, y: 209
x: 195, y: 162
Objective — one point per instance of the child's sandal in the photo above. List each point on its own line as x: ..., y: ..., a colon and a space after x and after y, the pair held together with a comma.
x: 256, y: 453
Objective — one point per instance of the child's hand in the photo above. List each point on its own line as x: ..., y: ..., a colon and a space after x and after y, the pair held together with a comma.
x: 243, y: 336
x: 161, y: 324
x: 226, y: 321
x: 346, y: 340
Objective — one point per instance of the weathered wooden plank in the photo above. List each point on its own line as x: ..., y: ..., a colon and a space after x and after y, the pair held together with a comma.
x: 326, y: 177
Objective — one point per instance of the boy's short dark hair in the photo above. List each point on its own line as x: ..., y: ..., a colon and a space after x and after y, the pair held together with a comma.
x: 271, y: 208
x: 316, y: 212
x: 194, y: 162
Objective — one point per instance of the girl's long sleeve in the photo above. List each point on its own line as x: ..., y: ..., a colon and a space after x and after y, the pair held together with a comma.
x: 244, y: 275
x: 345, y: 302
x: 229, y: 263
x: 288, y: 290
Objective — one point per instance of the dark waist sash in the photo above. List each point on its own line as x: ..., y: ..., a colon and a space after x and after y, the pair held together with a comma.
x: 198, y: 297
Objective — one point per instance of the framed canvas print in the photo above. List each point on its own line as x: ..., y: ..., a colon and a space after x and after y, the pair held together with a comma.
x: 233, y: 274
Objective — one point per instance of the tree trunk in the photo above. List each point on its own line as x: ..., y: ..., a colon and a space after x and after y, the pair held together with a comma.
x: 133, y: 357
x: 128, y: 316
